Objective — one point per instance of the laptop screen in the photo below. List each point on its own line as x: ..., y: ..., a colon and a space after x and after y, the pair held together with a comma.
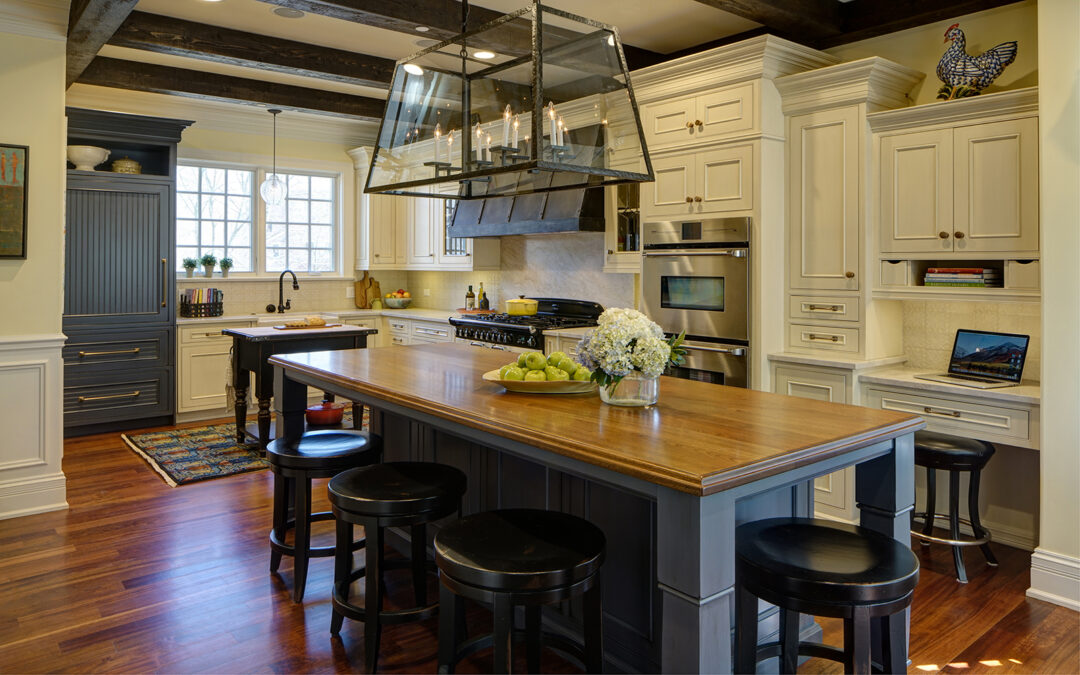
x: 999, y: 356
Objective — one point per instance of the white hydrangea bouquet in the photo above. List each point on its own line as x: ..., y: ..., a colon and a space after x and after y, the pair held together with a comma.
x: 626, y: 341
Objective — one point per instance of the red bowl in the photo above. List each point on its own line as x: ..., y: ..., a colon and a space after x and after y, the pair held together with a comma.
x: 326, y: 413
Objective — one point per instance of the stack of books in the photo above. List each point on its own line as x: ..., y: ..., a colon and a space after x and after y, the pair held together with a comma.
x: 963, y: 277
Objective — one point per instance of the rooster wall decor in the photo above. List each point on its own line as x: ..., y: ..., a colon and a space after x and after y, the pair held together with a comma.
x: 966, y: 75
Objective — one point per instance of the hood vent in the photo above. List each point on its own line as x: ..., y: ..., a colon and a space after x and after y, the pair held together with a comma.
x: 580, y: 210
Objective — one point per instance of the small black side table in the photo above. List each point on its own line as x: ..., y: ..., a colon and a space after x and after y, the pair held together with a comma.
x: 253, y: 346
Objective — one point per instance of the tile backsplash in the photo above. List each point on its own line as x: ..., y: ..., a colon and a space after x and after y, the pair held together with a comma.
x: 931, y: 325
x: 251, y: 296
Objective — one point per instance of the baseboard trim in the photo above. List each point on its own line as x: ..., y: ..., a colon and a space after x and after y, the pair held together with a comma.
x: 33, y: 495
x: 1055, y: 578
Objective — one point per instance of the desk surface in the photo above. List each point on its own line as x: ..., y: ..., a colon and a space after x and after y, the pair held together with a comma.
x: 700, y: 438
x: 1027, y: 392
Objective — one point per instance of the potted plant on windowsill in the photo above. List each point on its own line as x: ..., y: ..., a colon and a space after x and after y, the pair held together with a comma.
x: 225, y: 265
x: 208, y: 261
x: 189, y: 266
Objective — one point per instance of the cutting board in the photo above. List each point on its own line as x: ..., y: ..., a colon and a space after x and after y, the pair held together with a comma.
x: 329, y: 325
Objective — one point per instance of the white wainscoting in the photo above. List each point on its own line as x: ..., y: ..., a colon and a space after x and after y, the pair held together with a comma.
x: 1055, y: 578
x: 31, y: 417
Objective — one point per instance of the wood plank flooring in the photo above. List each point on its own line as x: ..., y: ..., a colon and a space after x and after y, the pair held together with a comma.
x: 140, y: 577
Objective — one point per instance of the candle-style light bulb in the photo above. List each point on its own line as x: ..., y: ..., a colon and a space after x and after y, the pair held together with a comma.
x: 487, y: 147
x: 438, y: 135
x: 551, y: 120
x: 560, y: 130
x: 506, y: 126
x: 479, y: 143
x: 517, y: 123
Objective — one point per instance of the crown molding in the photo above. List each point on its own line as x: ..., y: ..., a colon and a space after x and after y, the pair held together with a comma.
x: 765, y: 56
x: 877, y: 82
x: 1005, y: 104
x: 35, y: 18
x: 227, y: 117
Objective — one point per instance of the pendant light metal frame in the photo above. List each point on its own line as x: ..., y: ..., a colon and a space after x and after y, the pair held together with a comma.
x: 274, y: 178
x: 535, y: 163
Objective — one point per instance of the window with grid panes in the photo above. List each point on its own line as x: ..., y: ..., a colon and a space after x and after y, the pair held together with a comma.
x: 300, y: 232
x: 214, y: 214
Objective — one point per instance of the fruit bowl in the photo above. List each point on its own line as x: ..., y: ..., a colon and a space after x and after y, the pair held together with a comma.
x: 397, y: 303
x: 545, y: 387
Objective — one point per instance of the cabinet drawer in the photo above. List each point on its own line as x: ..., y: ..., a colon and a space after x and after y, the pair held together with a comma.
x: 431, y: 331
x: 895, y: 273
x: 1022, y: 274
x: 398, y: 325
x: 117, y: 395
x: 958, y: 416
x: 813, y: 384
x: 105, y: 350
x: 831, y: 308
x: 209, y: 333
x: 399, y: 340
x: 818, y: 337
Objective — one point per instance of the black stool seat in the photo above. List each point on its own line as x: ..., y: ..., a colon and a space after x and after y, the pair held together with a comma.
x: 398, y: 489
x: 826, y: 561
x: 520, y: 549
x: 326, y: 450
x: 942, y: 451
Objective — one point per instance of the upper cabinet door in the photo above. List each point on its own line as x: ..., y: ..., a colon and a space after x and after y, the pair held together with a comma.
x: 823, y: 183
x: 672, y: 193
x: 916, y: 182
x: 382, y: 228
x: 997, y: 187
x: 669, y: 122
x: 419, y: 228
x: 723, y: 112
x: 725, y: 180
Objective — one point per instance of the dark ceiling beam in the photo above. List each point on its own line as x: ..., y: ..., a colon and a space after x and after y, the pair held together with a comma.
x: 90, y: 25
x: 864, y: 19
x: 806, y: 21
x: 166, y: 35
x: 443, y: 19
x: 123, y: 74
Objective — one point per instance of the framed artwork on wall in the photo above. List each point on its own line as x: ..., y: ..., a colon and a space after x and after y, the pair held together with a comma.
x: 14, y: 161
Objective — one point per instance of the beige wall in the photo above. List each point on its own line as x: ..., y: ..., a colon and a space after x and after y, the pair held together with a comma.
x: 32, y: 114
x: 921, y: 48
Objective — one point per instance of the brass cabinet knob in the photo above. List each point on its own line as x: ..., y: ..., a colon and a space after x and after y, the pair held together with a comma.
x: 689, y: 200
x: 958, y: 235
x: 689, y: 125
x: 849, y: 275
x: 698, y: 123
x: 697, y: 199
x: 610, y: 252
x: 943, y: 235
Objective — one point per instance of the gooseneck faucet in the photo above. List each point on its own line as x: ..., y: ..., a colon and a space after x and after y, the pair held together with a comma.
x: 282, y: 303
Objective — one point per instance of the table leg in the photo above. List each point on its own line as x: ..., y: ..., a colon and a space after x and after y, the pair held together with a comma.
x: 264, y: 422
x: 290, y: 401
x: 241, y: 380
x: 696, y: 573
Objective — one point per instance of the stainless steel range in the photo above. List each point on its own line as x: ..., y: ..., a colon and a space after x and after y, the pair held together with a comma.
x: 525, y: 333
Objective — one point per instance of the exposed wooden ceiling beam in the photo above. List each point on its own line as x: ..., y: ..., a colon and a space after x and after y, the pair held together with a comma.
x: 443, y: 19
x: 869, y: 18
x: 90, y: 24
x: 167, y: 35
x: 123, y: 74
x: 805, y: 21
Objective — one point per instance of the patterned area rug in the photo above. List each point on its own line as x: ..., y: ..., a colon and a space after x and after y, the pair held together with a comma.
x: 182, y: 456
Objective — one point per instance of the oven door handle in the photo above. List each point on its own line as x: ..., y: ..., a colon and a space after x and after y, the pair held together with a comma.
x: 734, y: 351
x: 673, y: 253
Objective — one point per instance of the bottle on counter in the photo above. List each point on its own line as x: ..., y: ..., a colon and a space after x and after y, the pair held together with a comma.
x: 470, y: 298
x: 482, y: 301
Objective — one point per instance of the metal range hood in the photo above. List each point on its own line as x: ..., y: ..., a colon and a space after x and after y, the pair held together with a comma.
x: 577, y: 210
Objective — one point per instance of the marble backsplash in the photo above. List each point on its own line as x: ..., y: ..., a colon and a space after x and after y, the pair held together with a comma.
x: 930, y: 326
x: 547, y: 266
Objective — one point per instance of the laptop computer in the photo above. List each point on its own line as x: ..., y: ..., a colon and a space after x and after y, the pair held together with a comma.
x: 984, y: 360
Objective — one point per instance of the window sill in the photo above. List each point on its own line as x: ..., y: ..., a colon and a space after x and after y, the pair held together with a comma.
x: 217, y: 278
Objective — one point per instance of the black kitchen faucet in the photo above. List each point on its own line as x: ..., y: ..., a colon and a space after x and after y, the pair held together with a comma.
x: 282, y: 303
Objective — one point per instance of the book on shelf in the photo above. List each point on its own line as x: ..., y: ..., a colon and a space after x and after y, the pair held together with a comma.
x: 962, y: 270
x: 961, y: 284
x: 961, y: 277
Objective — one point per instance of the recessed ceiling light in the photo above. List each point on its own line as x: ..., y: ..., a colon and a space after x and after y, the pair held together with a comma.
x: 484, y: 54
x: 422, y: 29
x: 288, y: 12
x: 413, y: 69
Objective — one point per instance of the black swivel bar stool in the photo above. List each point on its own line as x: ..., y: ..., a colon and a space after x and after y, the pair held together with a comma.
x: 394, y: 494
x: 955, y: 455
x: 823, y: 568
x: 320, y: 454
x: 519, y: 557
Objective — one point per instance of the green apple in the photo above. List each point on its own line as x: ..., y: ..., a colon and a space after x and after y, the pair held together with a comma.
x: 521, y: 359
x: 566, y: 363
x: 502, y: 371
x: 535, y: 376
x: 583, y: 374
x: 535, y: 361
x: 514, y: 373
x: 554, y: 374
x: 554, y: 358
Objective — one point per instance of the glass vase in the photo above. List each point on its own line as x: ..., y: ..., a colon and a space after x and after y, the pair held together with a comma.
x: 633, y: 390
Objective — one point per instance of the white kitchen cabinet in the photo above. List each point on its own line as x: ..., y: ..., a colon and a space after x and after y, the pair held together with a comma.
x: 418, y: 223
x: 823, y: 187
x: 622, y: 223
x: 696, y: 119
x: 203, y: 359
x: 718, y: 181
x: 376, y: 340
x: 916, y: 173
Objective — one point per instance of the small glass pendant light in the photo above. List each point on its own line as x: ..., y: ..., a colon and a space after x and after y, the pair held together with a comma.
x: 273, y: 189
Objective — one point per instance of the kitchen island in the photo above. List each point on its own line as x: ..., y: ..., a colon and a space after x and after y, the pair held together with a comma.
x: 668, y: 484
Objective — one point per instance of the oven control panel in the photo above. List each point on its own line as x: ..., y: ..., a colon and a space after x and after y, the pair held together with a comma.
x: 496, y: 336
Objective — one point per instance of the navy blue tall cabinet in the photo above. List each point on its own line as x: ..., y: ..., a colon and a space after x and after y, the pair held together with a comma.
x: 119, y: 276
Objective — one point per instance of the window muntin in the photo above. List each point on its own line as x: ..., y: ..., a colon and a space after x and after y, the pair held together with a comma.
x: 300, y: 232
x: 214, y: 214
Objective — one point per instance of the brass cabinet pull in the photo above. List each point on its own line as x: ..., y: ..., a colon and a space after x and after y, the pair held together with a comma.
x: 830, y: 338
x: 697, y: 199
x: 610, y: 252
x: 83, y: 399
x: 849, y: 275
x: 213, y: 334
x: 943, y: 235
x: 950, y: 413
x: 164, y: 283
x: 689, y: 125
x: 825, y: 308
x: 689, y: 199
x: 698, y: 123
x: 958, y: 235
x: 134, y: 350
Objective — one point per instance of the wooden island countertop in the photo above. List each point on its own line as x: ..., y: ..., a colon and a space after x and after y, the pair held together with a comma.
x: 699, y: 438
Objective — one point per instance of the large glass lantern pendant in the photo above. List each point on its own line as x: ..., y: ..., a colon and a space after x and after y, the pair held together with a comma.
x: 534, y: 101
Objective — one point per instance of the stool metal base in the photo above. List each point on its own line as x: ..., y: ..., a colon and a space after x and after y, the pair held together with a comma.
x: 983, y: 538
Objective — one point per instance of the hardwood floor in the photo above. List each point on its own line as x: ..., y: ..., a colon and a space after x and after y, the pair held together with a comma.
x: 139, y: 577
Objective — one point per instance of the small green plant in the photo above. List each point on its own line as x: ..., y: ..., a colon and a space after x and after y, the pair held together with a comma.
x: 225, y: 264
x: 208, y: 260
x: 190, y: 263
